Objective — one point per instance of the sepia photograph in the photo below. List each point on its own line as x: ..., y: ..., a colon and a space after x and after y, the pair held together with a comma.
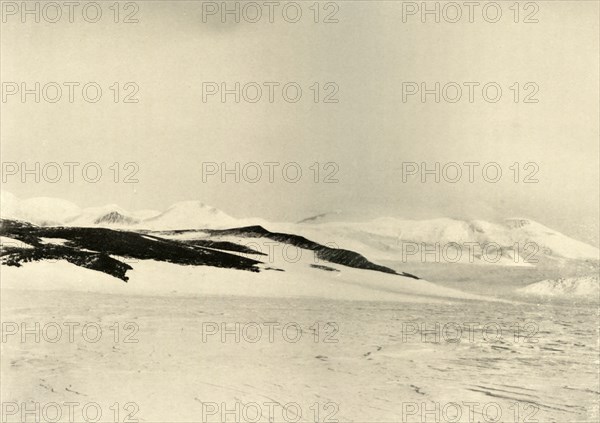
x: 308, y: 211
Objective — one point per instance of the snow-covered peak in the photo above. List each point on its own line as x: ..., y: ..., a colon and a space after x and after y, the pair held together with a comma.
x: 190, y: 215
x: 38, y: 210
x: 108, y: 215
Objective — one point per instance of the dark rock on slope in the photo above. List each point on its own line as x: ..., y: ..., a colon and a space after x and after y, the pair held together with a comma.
x: 333, y: 255
x: 92, y: 247
x: 106, y: 250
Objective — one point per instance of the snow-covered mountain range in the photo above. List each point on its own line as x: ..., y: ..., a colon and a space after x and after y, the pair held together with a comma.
x: 47, y: 211
x: 512, y: 242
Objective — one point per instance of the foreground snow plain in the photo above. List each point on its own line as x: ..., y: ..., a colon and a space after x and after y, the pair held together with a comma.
x: 200, y: 344
x: 213, y: 358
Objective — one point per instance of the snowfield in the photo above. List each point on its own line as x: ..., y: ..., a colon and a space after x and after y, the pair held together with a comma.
x: 177, y: 357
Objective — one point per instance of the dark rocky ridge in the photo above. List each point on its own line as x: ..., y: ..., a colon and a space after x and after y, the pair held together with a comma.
x: 333, y: 255
x: 103, y: 243
x: 106, y: 250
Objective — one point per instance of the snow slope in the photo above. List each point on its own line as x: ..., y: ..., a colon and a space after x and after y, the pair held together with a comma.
x: 583, y: 286
x: 298, y: 280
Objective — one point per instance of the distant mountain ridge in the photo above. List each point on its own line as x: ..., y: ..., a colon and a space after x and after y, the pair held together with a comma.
x: 518, y: 240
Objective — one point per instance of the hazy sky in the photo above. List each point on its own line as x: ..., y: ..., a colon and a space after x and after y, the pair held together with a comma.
x: 368, y: 133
